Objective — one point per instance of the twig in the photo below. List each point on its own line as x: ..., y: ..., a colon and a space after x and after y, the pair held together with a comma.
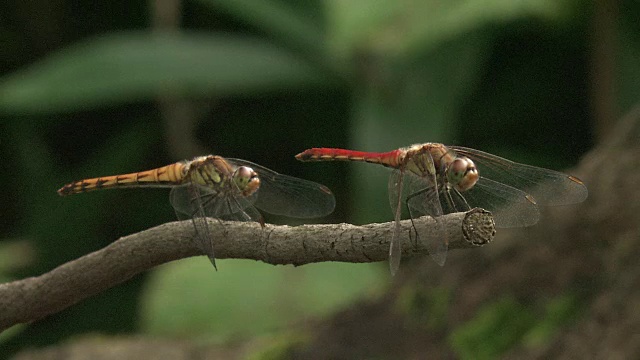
x: 36, y: 297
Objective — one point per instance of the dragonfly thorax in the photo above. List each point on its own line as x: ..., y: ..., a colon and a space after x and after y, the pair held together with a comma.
x: 462, y: 174
x: 246, y: 180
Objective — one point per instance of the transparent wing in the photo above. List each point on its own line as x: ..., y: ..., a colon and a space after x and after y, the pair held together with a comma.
x: 232, y: 207
x: 190, y: 198
x: 187, y: 202
x: 195, y: 202
x: 289, y: 196
x: 423, y: 199
x: 548, y: 187
x: 510, y: 207
x: 395, y: 198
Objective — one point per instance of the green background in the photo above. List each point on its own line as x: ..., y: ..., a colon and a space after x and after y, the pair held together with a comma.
x: 90, y: 89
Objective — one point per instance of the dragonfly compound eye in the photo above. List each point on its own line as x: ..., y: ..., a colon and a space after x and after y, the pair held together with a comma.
x: 246, y: 180
x: 462, y: 174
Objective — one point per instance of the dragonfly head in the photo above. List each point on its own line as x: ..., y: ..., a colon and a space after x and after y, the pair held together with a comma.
x: 246, y: 180
x: 462, y: 173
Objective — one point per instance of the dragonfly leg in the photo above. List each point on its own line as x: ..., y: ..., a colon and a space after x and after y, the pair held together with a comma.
x: 426, y: 202
x: 409, y: 198
x: 460, y: 205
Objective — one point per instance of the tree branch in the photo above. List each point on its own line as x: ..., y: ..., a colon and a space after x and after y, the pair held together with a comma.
x: 36, y: 297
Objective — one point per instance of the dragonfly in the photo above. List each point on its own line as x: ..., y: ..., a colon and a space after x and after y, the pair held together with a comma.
x: 223, y: 188
x: 440, y: 179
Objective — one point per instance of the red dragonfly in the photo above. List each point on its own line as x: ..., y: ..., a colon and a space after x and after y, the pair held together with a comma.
x: 439, y: 179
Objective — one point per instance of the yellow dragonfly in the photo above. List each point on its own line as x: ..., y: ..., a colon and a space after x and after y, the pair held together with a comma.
x: 223, y: 188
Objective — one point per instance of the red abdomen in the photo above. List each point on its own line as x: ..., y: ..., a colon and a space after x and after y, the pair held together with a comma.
x: 389, y: 159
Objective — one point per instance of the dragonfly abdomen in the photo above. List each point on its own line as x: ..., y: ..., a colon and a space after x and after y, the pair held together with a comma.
x: 163, y: 176
x: 389, y: 159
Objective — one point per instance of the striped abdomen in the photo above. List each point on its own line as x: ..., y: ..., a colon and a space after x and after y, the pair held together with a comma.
x: 390, y: 159
x: 164, y: 176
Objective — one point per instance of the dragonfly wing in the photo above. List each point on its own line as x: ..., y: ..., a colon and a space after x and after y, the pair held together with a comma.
x: 289, y: 196
x: 182, y: 201
x: 187, y: 202
x: 510, y: 207
x: 190, y: 198
x: 548, y: 187
x: 196, y: 202
x: 395, y: 198
x: 423, y: 200
x: 233, y: 207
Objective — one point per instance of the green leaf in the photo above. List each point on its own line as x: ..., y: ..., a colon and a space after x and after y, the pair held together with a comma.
x: 132, y: 67
x: 402, y: 27
x: 277, y: 18
x: 412, y: 100
x: 560, y: 312
x: 495, y: 329
x: 213, y: 308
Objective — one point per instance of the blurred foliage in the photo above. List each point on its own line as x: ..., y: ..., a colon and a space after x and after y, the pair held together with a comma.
x: 495, y: 328
x: 87, y: 89
x: 424, y: 308
x: 559, y: 312
x: 187, y: 298
x: 280, y: 347
x: 129, y: 67
x: 507, y: 322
